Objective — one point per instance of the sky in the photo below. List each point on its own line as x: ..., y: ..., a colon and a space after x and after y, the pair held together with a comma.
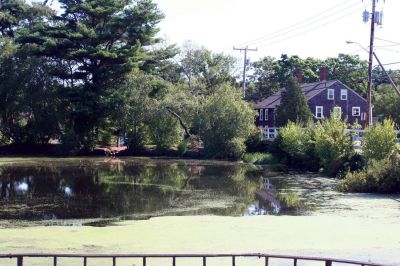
x: 307, y: 28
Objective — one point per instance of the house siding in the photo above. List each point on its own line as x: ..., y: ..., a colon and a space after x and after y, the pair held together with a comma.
x: 270, y: 122
x: 321, y: 99
x: 353, y: 100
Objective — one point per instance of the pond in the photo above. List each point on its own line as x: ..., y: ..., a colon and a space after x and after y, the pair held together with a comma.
x: 99, y: 192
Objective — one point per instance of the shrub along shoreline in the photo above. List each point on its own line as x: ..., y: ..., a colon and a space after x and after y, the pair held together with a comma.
x: 327, y: 147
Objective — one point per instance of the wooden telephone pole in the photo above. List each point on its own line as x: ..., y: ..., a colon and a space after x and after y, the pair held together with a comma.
x: 244, y: 65
x: 371, y: 56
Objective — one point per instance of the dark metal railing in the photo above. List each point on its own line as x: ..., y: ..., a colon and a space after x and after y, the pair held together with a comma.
x: 174, y: 258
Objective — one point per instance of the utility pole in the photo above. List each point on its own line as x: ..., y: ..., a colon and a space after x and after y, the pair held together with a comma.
x: 371, y: 56
x: 244, y: 65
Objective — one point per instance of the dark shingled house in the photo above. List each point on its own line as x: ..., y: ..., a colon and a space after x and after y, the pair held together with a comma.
x: 322, y: 97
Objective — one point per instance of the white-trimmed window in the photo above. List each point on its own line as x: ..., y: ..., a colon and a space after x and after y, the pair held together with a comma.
x: 266, y: 115
x: 319, y: 112
x: 331, y: 94
x: 261, y: 114
x: 355, y: 111
x: 343, y: 94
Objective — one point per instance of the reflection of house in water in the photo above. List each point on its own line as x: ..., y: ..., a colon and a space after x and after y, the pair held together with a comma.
x: 267, y: 202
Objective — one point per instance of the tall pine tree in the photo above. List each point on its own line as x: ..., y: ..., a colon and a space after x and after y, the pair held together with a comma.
x: 293, y: 105
x: 99, y: 41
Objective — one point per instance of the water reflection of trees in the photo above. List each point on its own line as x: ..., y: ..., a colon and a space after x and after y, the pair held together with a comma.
x: 96, y: 189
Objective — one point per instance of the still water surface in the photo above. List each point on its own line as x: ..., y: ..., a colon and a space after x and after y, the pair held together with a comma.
x: 98, y: 191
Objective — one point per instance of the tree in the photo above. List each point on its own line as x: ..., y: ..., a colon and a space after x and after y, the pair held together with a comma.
x: 386, y: 103
x: 30, y: 107
x: 100, y: 42
x: 206, y: 71
x: 293, y: 105
x: 350, y: 70
x: 264, y: 78
x: 224, y: 122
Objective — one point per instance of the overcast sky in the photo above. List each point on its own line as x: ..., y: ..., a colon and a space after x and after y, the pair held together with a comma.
x: 316, y: 28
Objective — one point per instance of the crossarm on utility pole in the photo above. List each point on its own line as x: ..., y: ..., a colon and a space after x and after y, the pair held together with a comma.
x: 244, y: 65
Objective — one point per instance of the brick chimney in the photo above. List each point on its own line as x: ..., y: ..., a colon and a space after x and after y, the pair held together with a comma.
x: 323, y: 74
x: 299, y: 75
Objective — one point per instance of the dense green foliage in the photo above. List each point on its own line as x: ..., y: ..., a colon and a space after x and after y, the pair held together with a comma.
x: 325, y: 145
x: 333, y: 144
x: 382, y: 170
x: 270, y: 74
x: 95, y: 71
x: 379, y: 141
x: 387, y: 103
x: 224, y: 122
x: 259, y: 158
x: 293, y: 106
x: 96, y: 43
x: 381, y: 176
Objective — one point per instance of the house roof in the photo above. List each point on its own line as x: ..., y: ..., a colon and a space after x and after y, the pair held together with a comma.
x: 309, y: 89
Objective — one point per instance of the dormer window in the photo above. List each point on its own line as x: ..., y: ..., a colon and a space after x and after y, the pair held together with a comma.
x: 331, y: 94
x: 261, y: 114
x: 266, y: 115
x: 343, y: 94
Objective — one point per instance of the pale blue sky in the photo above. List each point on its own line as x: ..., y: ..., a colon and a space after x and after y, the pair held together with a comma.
x: 317, y: 28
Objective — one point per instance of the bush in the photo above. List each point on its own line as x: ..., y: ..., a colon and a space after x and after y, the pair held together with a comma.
x: 224, y: 121
x: 165, y: 131
x: 379, y: 141
x: 254, y: 142
x: 182, y: 147
x: 333, y: 144
x: 235, y: 148
x: 137, y: 138
x: 355, y: 163
x: 295, y: 146
x: 292, y: 140
x: 259, y: 158
x: 381, y: 176
x: 70, y: 143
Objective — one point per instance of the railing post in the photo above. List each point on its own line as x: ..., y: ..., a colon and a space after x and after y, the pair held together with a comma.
x: 55, y: 261
x: 233, y: 260
x: 20, y: 261
x: 328, y: 263
x: 204, y: 261
x: 114, y: 261
x: 144, y: 261
x: 266, y: 261
x: 84, y: 261
x: 294, y: 262
x: 173, y: 261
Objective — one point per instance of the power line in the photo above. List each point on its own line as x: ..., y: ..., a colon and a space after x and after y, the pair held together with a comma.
x: 294, y: 27
x: 309, y: 30
x: 388, y: 49
x: 398, y: 43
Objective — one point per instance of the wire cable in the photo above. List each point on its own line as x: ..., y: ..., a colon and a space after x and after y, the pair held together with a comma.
x: 308, y: 30
x: 393, y: 42
x: 294, y: 27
